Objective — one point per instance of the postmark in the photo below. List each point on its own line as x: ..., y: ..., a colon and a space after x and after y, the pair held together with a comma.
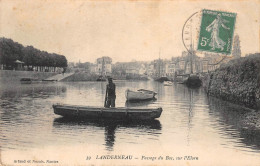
x: 216, y: 31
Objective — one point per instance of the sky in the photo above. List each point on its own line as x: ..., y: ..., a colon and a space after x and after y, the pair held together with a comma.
x: 125, y: 30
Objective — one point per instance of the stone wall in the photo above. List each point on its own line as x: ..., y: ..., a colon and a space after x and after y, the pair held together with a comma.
x: 81, y: 76
x: 238, y: 81
x: 10, y: 76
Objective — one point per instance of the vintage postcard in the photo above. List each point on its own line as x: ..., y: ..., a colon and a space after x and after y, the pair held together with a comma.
x: 129, y: 82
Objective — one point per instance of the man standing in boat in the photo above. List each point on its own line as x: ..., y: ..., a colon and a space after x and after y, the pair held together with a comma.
x: 110, y: 94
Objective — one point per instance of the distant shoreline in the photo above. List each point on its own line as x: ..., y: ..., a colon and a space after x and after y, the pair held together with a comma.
x: 11, y: 76
x: 82, y: 76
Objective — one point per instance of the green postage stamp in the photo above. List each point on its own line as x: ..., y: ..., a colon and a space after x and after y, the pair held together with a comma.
x: 216, y: 31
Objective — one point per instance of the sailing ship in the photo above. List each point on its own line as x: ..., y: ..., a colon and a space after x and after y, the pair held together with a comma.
x: 193, y: 79
x: 159, y: 77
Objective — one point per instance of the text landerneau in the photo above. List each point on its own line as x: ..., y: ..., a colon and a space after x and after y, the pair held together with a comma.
x: 113, y: 157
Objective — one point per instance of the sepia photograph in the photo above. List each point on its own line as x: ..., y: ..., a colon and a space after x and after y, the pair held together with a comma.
x: 129, y: 83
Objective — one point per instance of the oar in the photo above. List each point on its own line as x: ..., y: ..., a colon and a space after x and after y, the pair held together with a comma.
x: 105, y: 104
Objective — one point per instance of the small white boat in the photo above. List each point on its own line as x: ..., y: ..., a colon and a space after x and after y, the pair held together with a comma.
x: 141, y: 94
x: 167, y: 83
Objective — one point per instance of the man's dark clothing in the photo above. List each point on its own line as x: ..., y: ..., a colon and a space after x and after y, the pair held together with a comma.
x: 111, y: 95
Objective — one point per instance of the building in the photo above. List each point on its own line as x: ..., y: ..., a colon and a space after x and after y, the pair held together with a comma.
x: 150, y: 69
x: 142, y: 70
x: 132, y: 71
x: 236, y: 47
x: 210, y: 62
x: 104, y: 66
x: 159, y: 66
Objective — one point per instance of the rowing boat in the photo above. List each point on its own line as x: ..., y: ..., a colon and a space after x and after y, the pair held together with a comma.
x: 167, y: 83
x: 141, y: 94
x: 107, y: 113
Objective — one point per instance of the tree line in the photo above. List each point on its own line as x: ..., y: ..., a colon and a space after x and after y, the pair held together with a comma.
x: 11, y: 51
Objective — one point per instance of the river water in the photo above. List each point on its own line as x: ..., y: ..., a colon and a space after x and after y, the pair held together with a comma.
x: 212, y: 131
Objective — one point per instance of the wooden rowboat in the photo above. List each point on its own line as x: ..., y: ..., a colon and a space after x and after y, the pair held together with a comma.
x: 107, y: 113
x: 29, y: 81
x: 26, y: 80
x: 167, y: 83
x: 141, y: 94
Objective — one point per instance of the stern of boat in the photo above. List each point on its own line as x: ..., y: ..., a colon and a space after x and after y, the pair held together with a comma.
x: 159, y: 112
x: 126, y: 93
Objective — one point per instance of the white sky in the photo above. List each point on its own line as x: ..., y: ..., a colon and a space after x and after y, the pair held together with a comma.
x: 124, y: 30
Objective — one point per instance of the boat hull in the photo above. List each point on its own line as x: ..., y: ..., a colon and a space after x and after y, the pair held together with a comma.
x: 107, y: 113
x: 161, y: 79
x: 101, y: 78
x: 167, y: 83
x: 26, y: 80
x: 194, y: 81
x: 139, y: 95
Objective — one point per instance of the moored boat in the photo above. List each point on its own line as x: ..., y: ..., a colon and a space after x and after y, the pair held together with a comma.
x: 51, y: 80
x: 181, y: 79
x: 29, y: 80
x: 141, y: 94
x: 167, y: 83
x: 162, y: 79
x: 88, y: 112
x: 26, y: 80
x: 101, y: 78
x: 193, y: 81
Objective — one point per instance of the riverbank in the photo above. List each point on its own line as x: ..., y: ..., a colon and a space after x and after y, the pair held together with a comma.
x: 238, y: 81
x: 83, y: 76
x: 8, y: 76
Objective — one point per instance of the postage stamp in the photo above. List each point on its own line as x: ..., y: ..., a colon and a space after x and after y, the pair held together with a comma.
x: 216, y: 31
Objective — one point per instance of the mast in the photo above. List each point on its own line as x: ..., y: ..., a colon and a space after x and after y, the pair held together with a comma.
x: 191, y: 55
x: 102, y: 72
x: 160, y: 62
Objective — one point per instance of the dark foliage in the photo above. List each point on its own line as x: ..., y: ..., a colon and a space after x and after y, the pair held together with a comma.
x: 11, y: 51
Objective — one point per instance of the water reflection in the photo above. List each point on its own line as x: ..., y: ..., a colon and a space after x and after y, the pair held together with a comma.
x: 22, y: 112
x: 139, y: 103
x: 28, y: 121
x: 36, y: 91
x: 151, y: 127
x: 233, y: 120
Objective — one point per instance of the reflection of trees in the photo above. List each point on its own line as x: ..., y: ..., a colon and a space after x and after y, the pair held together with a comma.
x: 35, y: 91
x: 234, y: 121
x: 152, y: 127
x: 22, y: 112
x: 15, y: 100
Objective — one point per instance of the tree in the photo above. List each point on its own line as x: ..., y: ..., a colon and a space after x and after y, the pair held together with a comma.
x: 11, y: 51
x: 30, y: 56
